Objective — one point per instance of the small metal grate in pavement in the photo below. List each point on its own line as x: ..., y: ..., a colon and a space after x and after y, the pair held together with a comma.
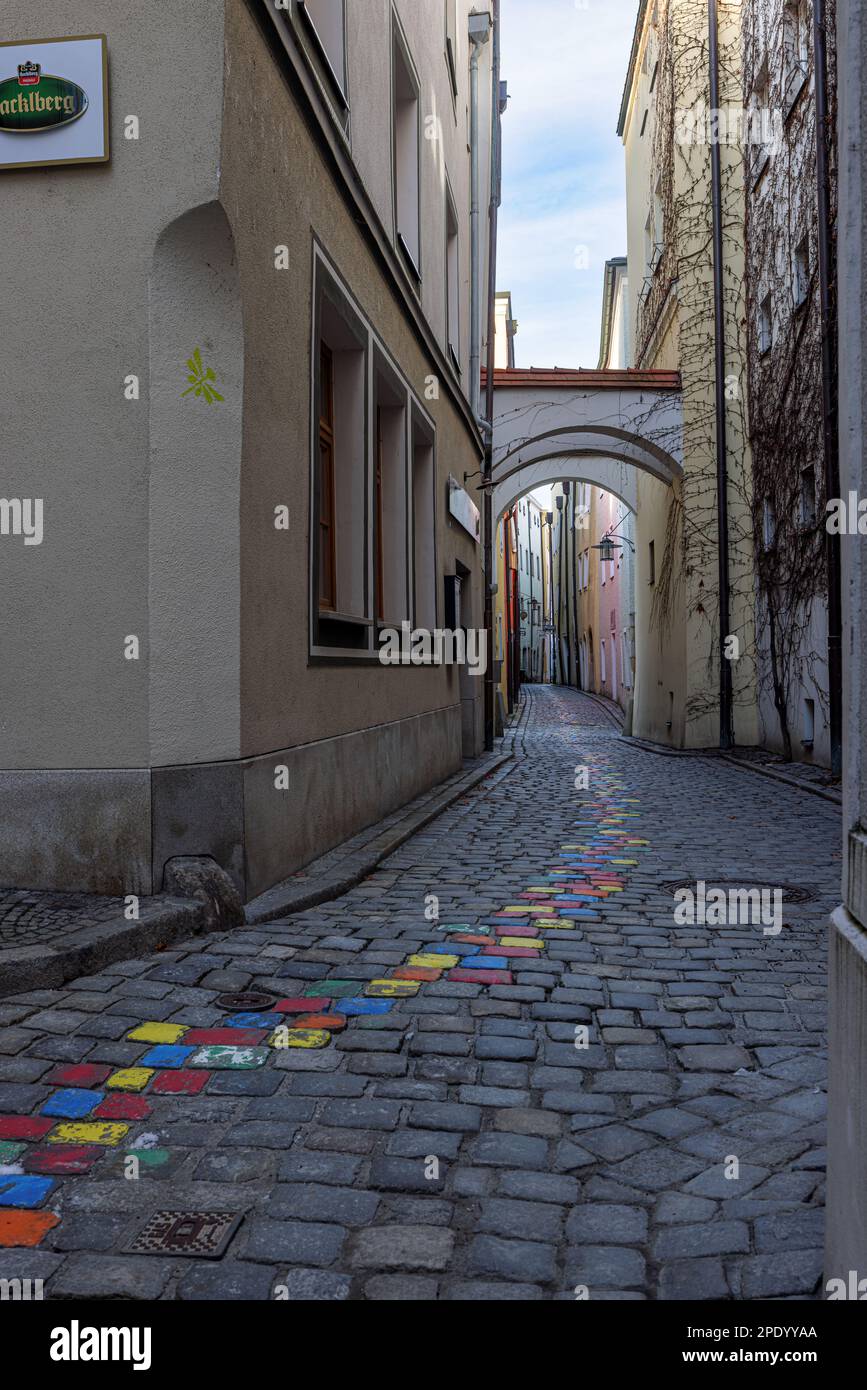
x: 792, y: 892
x: 205, y: 1234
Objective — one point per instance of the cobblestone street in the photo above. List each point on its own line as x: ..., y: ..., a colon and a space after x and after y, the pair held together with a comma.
x: 408, y: 1110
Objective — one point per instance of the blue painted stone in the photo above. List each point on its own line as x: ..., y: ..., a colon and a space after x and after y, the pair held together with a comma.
x: 486, y: 963
x: 72, y: 1104
x: 253, y: 1020
x: 166, y: 1055
x: 450, y: 948
x: 366, y: 1006
x: 29, y: 1191
x: 578, y: 912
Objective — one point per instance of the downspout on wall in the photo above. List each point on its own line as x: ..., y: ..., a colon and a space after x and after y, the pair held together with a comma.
x: 487, y: 505
x: 725, y: 671
x: 479, y: 33
x: 827, y: 272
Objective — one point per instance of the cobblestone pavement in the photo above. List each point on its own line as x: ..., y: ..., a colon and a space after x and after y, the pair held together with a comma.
x: 412, y: 1110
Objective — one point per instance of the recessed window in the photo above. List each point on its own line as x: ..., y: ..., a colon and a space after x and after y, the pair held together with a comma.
x: 766, y: 325
x: 405, y: 119
x: 325, y: 20
x: 651, y: 561
x: 453, y: 281
x: 769, y: 524
x: 327, y: 549
x: 391, y: 575
x: 802, y: 272
x: 808, y: 720
x: 341, y: 471
x: 808, y: 496
x: 796, y: 47
x: 424, y: 523
x: 759, y: 133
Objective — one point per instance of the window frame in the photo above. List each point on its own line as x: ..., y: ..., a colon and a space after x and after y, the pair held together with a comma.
x: 399, y: 45
x: 453, y: 348
x: 338, y: 84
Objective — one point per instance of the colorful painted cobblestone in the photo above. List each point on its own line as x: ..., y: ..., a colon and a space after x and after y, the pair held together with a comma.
x: 179, y: 1059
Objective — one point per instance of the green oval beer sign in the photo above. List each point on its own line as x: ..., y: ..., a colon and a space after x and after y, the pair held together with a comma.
x: 37, y: 100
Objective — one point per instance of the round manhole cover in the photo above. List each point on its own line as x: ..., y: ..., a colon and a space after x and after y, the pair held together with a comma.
x: 792, y: 892
x: 244, y: 999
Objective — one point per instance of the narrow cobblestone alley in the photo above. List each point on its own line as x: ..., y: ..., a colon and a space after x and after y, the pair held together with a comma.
x: 444, y: 1133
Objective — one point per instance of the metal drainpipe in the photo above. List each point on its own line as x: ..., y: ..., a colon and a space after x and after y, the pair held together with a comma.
x: 725, y: 672
x: 487, y: 503
x: 478, y: 36
x: 829, y: 392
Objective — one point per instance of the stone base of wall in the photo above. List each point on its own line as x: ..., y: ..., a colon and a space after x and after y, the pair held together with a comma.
x: 846, y: 1230
x: 113, y: 831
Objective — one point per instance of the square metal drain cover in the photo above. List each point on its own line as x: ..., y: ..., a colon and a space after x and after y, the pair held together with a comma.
x: 205, y: 1234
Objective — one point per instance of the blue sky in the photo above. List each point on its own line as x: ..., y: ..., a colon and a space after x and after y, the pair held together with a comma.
x: 563, y: 180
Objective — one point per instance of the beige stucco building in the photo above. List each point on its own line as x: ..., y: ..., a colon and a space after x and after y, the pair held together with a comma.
x: 664, y: 127
x: 190, y: 656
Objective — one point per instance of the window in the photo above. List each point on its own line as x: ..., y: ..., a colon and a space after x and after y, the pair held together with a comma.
x: 809, y: 723
x: 391, y: 573
x: 651, y: 558
x: 340, y: 485
x: 658, y: 225
x: 424, y: 523
x: 796, y: 47
x: 453, y: 282
x: 405, y: 118
x: 452, y: 42
x: 808, y: 496
x: 766, y: 325
x: 759, y: 133
x: 327, y: 557
x: 769, y: 524
x: 603, y: 675
x: 325, y: 22
x: 648, y: 244
x: 802, y: 272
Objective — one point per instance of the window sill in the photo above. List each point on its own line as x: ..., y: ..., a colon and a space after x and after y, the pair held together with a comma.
x: 333, y: 616
x: 795, y: 85
x: 759, y: 165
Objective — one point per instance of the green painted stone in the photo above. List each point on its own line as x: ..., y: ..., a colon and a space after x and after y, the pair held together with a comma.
x: 9, y: 1151
x: 151, y: 1158
x: 465, y: 927
x: 333, y: 989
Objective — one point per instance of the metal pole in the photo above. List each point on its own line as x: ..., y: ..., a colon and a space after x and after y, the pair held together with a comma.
x: 725, y: 671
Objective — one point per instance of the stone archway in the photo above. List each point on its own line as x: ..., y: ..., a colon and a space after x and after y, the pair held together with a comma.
x: 597, y: 427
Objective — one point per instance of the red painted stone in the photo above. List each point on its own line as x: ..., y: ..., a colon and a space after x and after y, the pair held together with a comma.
x: 121, y: 1107
x: 477, y: 940
x: 182, y: 1081
x: 416, y: 972
x: 25, y: 1228
x: 89, y: 1074
x: 332, y: 1021
x: 516, y: 931
x: 481, y: 977
x: 300, y: 1005
x: 25, y: 1126
x: 62, y: 1159
x: 224, y: 1037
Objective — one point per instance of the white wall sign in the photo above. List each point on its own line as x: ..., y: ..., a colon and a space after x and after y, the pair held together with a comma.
x: 53, y: 102
x: 464, y: 510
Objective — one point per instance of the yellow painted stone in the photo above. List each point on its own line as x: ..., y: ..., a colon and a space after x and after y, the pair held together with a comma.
x: 395, y: 989
x: 109, y: 1133
x: 157, y: 1033
x: 300, y: 1037
x: 532, y: 941
x: 130, y: 1079
x: 521, y: 911
x: 428, y: 960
